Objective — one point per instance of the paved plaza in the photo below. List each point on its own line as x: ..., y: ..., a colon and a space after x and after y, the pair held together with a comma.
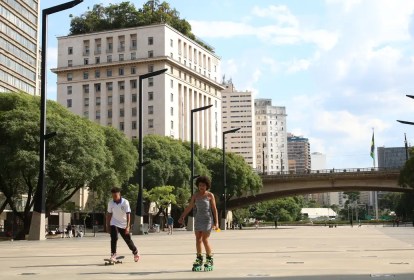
x: 305, y: 253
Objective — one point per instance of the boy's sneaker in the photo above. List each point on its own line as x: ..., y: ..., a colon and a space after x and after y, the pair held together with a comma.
x: 136, y: 257
x: 113, y: 257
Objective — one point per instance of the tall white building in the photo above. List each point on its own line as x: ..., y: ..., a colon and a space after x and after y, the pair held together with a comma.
x: 19, y: 46
x: 271, y: 136
x: 98, y: 79
x: 238, y: 112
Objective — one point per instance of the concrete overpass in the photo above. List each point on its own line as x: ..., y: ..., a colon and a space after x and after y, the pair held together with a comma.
x: 319, y: 181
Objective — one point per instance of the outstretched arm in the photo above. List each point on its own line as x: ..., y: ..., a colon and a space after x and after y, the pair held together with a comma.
x: 187, y: 210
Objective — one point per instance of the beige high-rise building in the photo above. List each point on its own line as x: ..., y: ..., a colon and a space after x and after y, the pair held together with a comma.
x: 98, y: 79
x: 238, y: 112
x: 19, y: 46
x: 271, y: 137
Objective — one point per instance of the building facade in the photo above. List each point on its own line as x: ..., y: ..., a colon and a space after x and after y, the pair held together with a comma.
x: 299, y: 152
x: 238, y: 112
x: 19, y: 46
x: 393, y: 157
x: 98, y: 79
x: 271, y: 137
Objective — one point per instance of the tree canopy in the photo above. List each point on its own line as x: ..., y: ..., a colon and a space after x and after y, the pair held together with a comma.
x: 125, y: 15
x: 83, y: 154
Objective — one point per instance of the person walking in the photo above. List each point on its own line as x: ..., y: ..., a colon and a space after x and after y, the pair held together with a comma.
x: 118, y: 220
x: 170, y: 224
x: 206, y: 219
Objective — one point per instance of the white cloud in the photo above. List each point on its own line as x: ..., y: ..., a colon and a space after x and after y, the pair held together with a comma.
x: 280, y: 13
x: 298, y: 65
x: 347, y: 5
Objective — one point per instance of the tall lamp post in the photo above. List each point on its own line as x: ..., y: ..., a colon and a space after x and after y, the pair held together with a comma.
x: 138, y: 221
x: 224, y: 217
x: 37, y: 224
x: 190, y: 224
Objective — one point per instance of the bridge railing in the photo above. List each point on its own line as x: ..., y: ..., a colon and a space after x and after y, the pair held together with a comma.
x: 330, y: 171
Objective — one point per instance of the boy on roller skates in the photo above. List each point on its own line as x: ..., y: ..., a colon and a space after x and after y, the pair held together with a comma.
x: 205, y: 207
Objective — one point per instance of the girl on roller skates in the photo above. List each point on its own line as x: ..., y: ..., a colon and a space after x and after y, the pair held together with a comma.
x: 204, y: 204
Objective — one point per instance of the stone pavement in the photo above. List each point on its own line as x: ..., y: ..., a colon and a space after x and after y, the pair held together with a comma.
x: 292, y: 253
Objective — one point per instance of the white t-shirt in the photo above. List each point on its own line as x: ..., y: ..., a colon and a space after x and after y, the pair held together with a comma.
x: 119, y: 212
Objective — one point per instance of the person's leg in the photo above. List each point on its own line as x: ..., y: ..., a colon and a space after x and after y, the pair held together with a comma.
x: 205, y: 235
x: 114, y: 239
x: 128, y: 240
x: 199, y: 241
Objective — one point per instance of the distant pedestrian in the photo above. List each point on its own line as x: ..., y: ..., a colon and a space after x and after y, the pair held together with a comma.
x: 170, y: 224
x: 118, y: 220
x: 206, y: 219
x: 256, y: 223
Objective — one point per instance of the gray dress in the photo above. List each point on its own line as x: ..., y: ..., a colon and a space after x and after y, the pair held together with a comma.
x: 203, y: 216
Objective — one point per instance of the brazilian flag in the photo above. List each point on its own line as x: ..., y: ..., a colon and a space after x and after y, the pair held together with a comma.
x: 373, y: 146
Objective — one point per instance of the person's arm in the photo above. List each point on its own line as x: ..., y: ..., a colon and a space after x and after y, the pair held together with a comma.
x: 214, y: 209
x: 128, y: 217
x: 187, y: 210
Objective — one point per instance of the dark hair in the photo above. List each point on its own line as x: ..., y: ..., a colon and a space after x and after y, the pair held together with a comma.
x: 205, y: 180
x: 115, y: 190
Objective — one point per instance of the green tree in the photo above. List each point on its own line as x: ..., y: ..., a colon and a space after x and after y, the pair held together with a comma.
x: 125, y: 14
x: 406, y: 178
x: 81, y: 155
x: 163, y: 197
x: 287, y: 209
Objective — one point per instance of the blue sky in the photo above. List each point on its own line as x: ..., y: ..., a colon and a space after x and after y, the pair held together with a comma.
x: 341, y: 67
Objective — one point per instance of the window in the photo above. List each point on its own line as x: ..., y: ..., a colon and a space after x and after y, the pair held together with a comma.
x: 86, y: 61
x: 109, y: 113
x: 134, y: 111
x: 133, y: 43
x: 133, y: 70
x: 69, y: 103
x: 121, y: 85
x: 121, y: 126
x: 86, y: 101
x: 86, y: 114
x: 172, y: 97
x: 70, y: 50
x: 121, y: 112
x: 85, y: 88
x: 110, y: 47
x: 97, y: 60
x: 150, y: 96
x: 121, y: 71
x: 121, y: 57
x: 69, y: 90
x: 172, y: 124
x: 109, y: 58
x: 109, y: 72
x: 85, y: 75
x: 150, y: 68
x: 150, y: 110
x: 134, y: 97
x: 109, y: 86
x: 172, y: 111
x: 171, y: 55
x: 150, y: 54
x: 134, y: 125
x: 121, y: 99
x: 70, y: 63
x: 133, y: 83
x: 150, y: 123
x: 150, y: 82
x: 150, y: 40
x: 97, y: 73
x: 69, y: 77
x: 133, y: 55
x: 98, y: 101
x: 109, y: 100
x: 97, y: 115
x: 172, y: 84
x: 171, y: 42
x: 97, y: 87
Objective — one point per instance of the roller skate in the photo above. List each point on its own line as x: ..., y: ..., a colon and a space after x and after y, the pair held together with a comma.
x: 198, y: 263
x: 209, y: 265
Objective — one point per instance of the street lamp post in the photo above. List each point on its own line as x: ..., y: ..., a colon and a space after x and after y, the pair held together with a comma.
x: 37, y: 224
x: 224, y: 217
x: 190, y: 224
x: 138, y: 221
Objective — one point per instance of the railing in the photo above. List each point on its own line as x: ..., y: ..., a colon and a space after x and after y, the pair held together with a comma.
x: 310, y: 172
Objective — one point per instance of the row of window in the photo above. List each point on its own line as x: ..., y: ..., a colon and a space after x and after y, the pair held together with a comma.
x: 122, y: 124
x: 30, y: 15
x: 17, y: 37
x: 121, y: 57
x: 17, y: 67
x: 17, y: 52
x: 17, y: 83
x: 18, y: 22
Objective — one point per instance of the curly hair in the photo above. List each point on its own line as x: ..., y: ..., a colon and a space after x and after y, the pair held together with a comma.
x: 205, y: 180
